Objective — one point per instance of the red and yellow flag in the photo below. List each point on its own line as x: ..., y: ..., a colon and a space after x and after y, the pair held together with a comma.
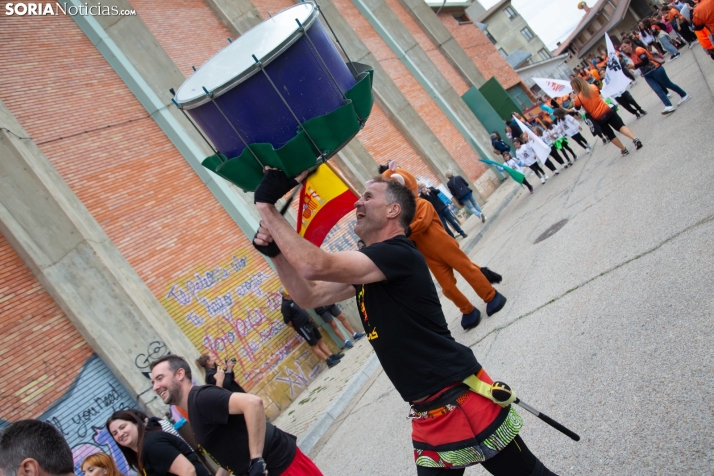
x: 324, y: 199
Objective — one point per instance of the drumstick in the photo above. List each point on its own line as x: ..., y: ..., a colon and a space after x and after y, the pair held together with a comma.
x: 295, y: 191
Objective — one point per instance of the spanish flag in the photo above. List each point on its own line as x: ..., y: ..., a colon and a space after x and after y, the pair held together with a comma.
x: 324, y: 199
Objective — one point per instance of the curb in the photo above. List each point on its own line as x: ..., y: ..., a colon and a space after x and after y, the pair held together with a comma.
x: 506, y: 201
x: 313, y: 434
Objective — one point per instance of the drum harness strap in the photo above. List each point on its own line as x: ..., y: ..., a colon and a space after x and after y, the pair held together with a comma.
x: 445, y: 402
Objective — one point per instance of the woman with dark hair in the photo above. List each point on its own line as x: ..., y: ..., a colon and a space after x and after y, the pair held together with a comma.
x: 151, y: 451
x: 654, y: 74
x: 588, y: 97
x: 648, y: 38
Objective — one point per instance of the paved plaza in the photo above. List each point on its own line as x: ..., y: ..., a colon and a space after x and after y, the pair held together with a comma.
x: 610, y: 316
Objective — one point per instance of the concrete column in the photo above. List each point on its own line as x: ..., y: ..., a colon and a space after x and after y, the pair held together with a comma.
x: 406, y: 48
x: 440, y: 35
x: 356, y: 163
x: 79, y: 266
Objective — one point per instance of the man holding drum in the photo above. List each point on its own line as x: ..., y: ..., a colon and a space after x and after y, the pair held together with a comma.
x: 452, y: 427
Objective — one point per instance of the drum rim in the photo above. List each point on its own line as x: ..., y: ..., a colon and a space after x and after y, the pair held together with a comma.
x: 253, y: 69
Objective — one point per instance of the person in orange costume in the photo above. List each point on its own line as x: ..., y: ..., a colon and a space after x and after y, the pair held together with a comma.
x: 443, y: 256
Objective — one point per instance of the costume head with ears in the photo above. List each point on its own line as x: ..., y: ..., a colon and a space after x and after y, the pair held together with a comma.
x: 402, y: 176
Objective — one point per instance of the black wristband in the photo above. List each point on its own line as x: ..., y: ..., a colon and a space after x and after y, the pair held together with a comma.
x: 257, y: 467
x: 270, y: 250
x: 274, y: 185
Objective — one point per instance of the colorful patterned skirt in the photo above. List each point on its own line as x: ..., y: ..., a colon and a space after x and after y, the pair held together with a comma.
x: 459, y: 428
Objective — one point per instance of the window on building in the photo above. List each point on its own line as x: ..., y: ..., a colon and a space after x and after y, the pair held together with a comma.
x: 510, y: 12
x: 591, y: 29
x: 463, y: 19
x: 490, y: 37
x: 503, y: 52
x: 544, y: 54
x: 527, y: 33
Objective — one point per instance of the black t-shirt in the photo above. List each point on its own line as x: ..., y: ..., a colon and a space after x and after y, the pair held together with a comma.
x: 294, y: 313
x: 432, y: 196
x: 160, y: 449
x: 224, y: 437
x: 404, y: 322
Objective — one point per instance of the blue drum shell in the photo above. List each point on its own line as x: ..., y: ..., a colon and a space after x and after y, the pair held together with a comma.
x: 256, y: 110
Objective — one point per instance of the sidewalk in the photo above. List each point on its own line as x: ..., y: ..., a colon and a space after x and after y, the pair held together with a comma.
x: 321, y: 403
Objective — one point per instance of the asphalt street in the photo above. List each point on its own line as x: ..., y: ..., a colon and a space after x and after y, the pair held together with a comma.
x: 609, y: 322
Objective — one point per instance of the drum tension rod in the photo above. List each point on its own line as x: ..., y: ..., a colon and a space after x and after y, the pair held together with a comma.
x: 267, y: 76
x: 210, y: 96
x: 349, y: 61
x: 324, y: 65
x: 215, y: 151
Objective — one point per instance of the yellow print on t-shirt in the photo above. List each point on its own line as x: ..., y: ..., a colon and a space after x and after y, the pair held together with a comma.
x: 372, y: 335
x: 360, y: 303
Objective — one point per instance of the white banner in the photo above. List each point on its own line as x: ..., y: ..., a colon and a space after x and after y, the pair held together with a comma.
x: 615, y: 82
x: 555, y: 88
x: 541, y: 149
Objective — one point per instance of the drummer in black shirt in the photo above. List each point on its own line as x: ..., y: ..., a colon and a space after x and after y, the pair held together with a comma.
x: 230, y: 427
x: 402, y: 316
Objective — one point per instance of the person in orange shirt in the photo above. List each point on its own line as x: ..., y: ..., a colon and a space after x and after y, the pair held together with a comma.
x: 654, y: 74
x: 588, y: 97
x: 680, y: 24
x: 703, y: 15
x: 704, y: 37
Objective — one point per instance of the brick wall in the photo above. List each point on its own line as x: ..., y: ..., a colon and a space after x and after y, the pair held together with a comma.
x: 63, y: 383
x: 437, y: 121
x: 149, y: 201
x: 482, y: 52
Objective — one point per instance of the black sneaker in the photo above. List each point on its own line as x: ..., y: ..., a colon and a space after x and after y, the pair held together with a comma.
x: 332, y: 362
x: 605, y: 141
x: 337, y: 356
x: 464, y: 235
x: 624, y: 152
x: 643, y: 112
x: 638, y: 144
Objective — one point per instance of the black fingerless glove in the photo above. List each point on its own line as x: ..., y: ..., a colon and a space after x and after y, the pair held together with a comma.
x: 273, y: 187
x: 271, y: 250
x: 257, y: 467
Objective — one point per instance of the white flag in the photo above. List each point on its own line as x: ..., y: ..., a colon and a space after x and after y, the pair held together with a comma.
x: 555, y: 88
x: 615, y: 82
x: 541, y: 149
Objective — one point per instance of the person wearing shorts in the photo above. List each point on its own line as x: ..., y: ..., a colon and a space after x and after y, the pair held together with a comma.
x: 297, y: 318
x: 328, y: 313
x: 588, y: 97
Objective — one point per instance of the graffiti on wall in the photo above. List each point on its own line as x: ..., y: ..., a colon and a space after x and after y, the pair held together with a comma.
x: 80, y: 413
x: 341, y: 237
x: 232, y: 310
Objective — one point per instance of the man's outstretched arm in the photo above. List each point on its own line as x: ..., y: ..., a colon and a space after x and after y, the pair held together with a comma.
x: 308, y: 293
x: 309, y: 261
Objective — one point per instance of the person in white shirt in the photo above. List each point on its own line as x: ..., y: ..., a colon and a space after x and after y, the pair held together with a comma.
x: 572, y: 128
x: 527, y: 155
x: 517, y: 165
x: 552, y: 136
